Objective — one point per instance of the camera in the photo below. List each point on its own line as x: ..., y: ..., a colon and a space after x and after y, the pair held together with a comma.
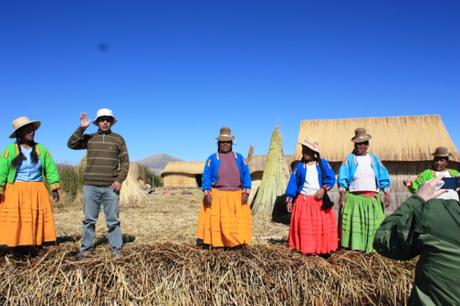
x: 451, y: 183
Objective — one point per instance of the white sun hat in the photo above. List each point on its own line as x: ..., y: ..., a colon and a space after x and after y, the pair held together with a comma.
x: 21, y: 122
x: 105, y: 112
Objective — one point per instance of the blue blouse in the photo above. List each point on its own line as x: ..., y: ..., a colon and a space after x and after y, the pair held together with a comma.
x: 28, y: 171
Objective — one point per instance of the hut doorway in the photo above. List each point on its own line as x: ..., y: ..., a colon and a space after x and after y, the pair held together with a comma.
x: 198, y: 178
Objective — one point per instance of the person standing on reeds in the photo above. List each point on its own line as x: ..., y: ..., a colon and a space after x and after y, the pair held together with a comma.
x: 313, y: 227
x: 106, y: 169
x: 225, y: 218
x: 428, y: 226
x: 26, y: 213
x: 439, y: 167
x: 361, y: 178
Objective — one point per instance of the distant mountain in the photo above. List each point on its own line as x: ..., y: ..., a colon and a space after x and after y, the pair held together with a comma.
x: 157, y: 162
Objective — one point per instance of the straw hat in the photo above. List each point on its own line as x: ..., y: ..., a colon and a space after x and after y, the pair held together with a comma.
x: 311, y: 144
x: 21, y: 122
x: 361, y: 135
x: 225, y: 135
x: 105, y: 112
x: 441, y: 152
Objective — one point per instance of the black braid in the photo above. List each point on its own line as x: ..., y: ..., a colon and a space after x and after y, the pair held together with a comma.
x: 33, y: 154
x: 17, y: 161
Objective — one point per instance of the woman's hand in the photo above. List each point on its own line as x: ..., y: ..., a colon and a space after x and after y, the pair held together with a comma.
x: 408, y: 183
x: 207, y: 200
x: 245, y: 196
x: 320, y: 193
x: 55, y: 195
x: 386, y: 198
x: 289, y: 204
x: 341, y: 198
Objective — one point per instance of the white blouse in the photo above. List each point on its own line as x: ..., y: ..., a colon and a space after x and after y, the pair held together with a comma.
x: 311, y: 185
x: 364, y: 178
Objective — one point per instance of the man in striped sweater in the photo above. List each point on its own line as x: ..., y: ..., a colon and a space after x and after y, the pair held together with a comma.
x: 107, y: 164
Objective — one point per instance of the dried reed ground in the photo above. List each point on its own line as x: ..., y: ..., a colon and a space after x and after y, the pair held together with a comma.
x: 162, y: 266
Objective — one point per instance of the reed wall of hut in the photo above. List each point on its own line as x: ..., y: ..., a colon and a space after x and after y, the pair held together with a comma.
x: 404, y: 144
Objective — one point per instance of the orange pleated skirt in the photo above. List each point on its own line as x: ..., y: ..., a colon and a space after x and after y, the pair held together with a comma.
x: 313, y: 230
x: 226, y: 222
x: 26, y: 215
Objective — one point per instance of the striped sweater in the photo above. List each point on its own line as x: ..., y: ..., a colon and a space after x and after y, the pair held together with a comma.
x: 107, y: 158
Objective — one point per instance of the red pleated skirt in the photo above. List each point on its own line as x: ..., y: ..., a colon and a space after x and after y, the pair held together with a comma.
x: 313, y: 230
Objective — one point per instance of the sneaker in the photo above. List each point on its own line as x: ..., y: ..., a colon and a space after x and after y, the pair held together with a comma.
x: 83, y: 255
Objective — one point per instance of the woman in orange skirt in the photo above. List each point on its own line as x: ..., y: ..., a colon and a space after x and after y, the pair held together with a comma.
x: 26, y: 214
x: 313, y: 227
x: 225, y: 218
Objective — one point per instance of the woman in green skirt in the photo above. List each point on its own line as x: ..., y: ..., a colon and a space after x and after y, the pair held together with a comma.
x: 361, y: 178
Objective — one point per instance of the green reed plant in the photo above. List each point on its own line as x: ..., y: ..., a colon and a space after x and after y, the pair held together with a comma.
x: 71, y: 179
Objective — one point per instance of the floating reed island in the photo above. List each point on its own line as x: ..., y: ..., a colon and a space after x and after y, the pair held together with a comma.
x: 179, y: 274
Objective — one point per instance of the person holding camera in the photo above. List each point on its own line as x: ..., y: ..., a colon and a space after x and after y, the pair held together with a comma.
x: 439, y: 167
x: 225, y: 218
x: 313, y: 228
x: 426, y: 226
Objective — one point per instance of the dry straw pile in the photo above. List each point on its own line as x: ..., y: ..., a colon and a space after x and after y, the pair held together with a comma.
x: 131, y: 190
x: 172, y: 274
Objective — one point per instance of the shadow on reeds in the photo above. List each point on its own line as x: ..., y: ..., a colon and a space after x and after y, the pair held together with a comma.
x: 277, y: 241
x: 127, y: 238
x: 68, y: 238
x: 280, y: 213
x: 3, y: 250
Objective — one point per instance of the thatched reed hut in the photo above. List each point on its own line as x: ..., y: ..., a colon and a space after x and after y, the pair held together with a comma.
x: 188, y: 174
x: 182, y: 174
x: 404, y: 144
x: 257, y: 165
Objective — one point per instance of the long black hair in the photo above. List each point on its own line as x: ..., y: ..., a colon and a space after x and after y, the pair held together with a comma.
x: 315, y: 155
x: 17, y: 161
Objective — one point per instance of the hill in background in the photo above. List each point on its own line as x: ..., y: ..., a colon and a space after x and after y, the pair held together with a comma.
x: 157, y: 162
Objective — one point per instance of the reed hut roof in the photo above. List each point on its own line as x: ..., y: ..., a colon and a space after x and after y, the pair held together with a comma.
x: 404, y: 138
x: 257, y: 163
x: 183, y: 167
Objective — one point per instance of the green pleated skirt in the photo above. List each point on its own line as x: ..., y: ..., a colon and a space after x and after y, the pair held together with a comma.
x: 361, y: 216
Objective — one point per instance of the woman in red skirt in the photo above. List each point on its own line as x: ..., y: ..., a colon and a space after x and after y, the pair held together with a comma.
x: 313, y: 226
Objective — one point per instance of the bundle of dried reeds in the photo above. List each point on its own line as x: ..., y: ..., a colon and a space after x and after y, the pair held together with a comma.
x: 173, y: 274
x: 131, y: 191
x: 274, y: 179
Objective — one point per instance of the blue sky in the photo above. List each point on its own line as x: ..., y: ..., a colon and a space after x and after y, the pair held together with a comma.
x: 174, y: 72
